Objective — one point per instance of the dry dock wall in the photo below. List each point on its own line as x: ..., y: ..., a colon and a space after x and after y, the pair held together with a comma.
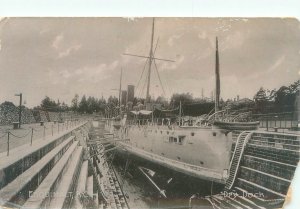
x: 265, y: 172
x: 27, y: 169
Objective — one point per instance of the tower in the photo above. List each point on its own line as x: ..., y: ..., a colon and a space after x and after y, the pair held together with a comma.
x: 130, y: 93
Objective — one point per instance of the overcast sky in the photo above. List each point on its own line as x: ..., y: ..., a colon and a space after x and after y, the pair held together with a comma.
x: 59, y: 57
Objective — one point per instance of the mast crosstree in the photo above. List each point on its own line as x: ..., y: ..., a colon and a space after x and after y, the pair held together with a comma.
x: 151, y: 59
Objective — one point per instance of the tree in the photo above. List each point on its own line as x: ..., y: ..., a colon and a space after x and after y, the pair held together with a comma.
x: 91, y: 105
x: 101, y: 104
x: 8, y: 104
x: 83, y: 105
x: 113, y: 101
x: 261, y: 100
x: 281, y: 100
x: 184, y: 98
x: 261, y: 95
x: 49, y: 104
x: 285, y: 97
x: 74, y: 105
x: 64, y: 107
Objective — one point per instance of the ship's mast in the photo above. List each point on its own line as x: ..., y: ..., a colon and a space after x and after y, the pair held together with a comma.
x: 151, y: 59
x: 150, y: 62
x: 120, y: 88
x: 217, y: 74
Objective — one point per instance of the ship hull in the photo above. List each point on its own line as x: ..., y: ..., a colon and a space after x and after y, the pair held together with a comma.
x: 199, y: 152
x: 181, y: 184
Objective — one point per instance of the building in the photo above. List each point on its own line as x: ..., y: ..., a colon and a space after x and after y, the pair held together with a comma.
x: 124, y: 97
x: 130, y: 93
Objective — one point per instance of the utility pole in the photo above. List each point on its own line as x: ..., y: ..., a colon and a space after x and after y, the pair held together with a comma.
x: 20, y: 108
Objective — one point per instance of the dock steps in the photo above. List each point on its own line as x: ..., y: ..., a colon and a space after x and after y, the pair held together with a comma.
x: 261, y: 168
x: 90, y: 183
x: 12, y: 189
x: 68, y: 180
x: 238, y: 202
x: 261, y: 187
x: 41, y: 194
x: 252, y: 203
x: 81, y: 186
x: 23, y: 157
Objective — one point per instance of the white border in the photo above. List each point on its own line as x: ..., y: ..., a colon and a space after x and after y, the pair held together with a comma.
x: 157, y: 8
x: 149, y: 8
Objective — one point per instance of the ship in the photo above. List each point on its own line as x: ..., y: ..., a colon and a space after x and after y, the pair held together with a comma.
x: 201, y: 148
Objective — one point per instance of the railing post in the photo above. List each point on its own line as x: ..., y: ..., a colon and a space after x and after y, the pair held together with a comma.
x: 31, y: 136
x: 284, y: 121
x: 8, y: 143
x: 58, y: 127
x: 52, y: 129
x: 280, y: 122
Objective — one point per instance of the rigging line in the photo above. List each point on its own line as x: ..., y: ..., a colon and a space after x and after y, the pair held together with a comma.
x: 155, y: 46
x: 153, y: 60
x: 142, y: 73
x: 159, y: 78
x: 157, y: 70
x: 148, y: 57
x: 141, y: 89
x: 144, y: 86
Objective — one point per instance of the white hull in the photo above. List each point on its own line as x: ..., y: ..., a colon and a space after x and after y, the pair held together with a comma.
x: 202, y: 152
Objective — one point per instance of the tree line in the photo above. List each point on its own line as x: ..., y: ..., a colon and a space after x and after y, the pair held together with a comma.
x: 284, y: 99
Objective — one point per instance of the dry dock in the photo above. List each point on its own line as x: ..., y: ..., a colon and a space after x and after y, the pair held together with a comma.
x: 74, y: 169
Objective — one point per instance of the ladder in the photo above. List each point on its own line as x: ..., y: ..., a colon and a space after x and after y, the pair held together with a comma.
x: 237, y: 156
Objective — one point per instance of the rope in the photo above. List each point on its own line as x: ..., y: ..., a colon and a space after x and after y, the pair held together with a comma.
x: 159, y: 78
x: 20, y: 136
x: 3, y: 135
x: 2, y: 143
x: 142, y: 73
x: 156, y: 46
x: 139, y: 88
x: 157, y: 70
x: 37, y: 130
x: 141, y: 93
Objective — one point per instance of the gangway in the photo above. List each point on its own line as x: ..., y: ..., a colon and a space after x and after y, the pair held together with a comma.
x: 237, y: 156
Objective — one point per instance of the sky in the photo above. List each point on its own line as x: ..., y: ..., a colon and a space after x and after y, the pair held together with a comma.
x: 60, y: 57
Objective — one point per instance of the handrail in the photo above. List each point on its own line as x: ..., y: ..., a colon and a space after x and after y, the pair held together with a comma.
x: 235, y: 148
x: 241, y: 114
x: 240, y: 157
x: 215, y: 114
